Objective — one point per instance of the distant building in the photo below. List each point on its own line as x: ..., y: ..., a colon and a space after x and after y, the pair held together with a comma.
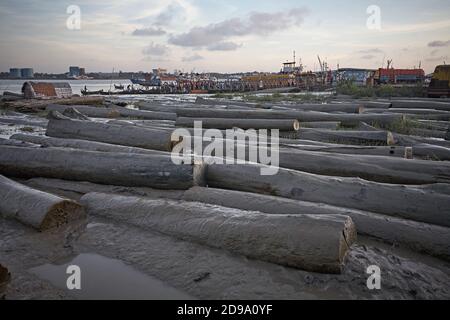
x: 74, y: 71
x: 82, y: 71
x: 15, y: 73
x: 27, y: 73
x: 399, y: 76
x: 33, y: 90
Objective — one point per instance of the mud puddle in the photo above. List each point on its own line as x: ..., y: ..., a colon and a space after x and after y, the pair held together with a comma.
x: 105, y: 278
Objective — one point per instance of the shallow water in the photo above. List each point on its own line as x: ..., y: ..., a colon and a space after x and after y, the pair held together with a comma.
x: 105, y: 278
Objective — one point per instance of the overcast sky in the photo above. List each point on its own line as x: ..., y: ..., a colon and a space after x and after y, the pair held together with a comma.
x: 221, y: 35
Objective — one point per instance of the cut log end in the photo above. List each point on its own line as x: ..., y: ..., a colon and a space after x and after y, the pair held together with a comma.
x: 390, y: 139
x: 296, y: 125
x: 62, y: 213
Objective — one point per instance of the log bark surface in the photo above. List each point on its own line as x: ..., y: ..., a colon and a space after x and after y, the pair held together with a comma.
x: 35, y: 208
x: 425, y: 238
x: 82, y: 144
x: 114, y: 112
x: 229, y: 123
x: 302, y: 116
x: 313, y: 243
x: 372, y: 168
x: 414, y: 203
x: 141, y: 170
x: 134, y: 136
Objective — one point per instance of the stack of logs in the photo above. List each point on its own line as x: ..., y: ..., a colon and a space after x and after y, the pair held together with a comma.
x: 345, y: 168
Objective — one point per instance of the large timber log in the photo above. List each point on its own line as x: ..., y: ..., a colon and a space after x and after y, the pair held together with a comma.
x: 141, y: 170
x: 410, y: 202
x: 153, y: 106
x: 372, y: 168
x: 33, y: 122
x: 228, y: 103
x: 302, y: 116
x: 422, y: 237
x: 408, y: 104
x: 229, y: 123
x: 134, y: 136
x: 431, y: 152
x: 17, y: 143
x: 338, y: 107
x: 76, y: 189
x: 313, y: 243
x: 333, y: 125
x: 82, y: 144
x: 391, y: 151
x: 380, y: 137
x: 35, y: 208
x: 113, y: 112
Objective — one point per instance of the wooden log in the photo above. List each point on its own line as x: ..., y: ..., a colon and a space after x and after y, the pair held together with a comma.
x: 229, y: 123
x: 302, y: 116
x: 432, y: 124
x: 24, y: 121
x: 343, y: 136
x: 16, y: 143
x: 154, y: 171
x: 375, y: 104
x: 425, y: 238
x: 391, y: 151
x: 409, y: 202
x: 82, y: 144
x: 217, y: 102
x: 337, y: 107
x: 313, y: 243
x: 429, y: 133
x: 408, y: 111
x: 371, y: 168
x: 332, y: 125
x: 134, y: 136
x: 115, y: 112
x: 80, y: 188
x: 35, y: 208
x: 152, y: 106
x: 405, y: 140
x: 432, y: 152
x: 145, y: 123
x: 408, y: 104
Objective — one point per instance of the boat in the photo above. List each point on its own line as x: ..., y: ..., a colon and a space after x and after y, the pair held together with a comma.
x: 88, y: 93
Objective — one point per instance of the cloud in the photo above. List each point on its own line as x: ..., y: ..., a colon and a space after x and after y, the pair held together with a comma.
x: 438, y: 43
x: 256, y: 23
x: 172, y: 12
x: 150, y: 31
x: 154, y: 49
x: 224, y: 46
x: 192, y: 58
x: 369, y: 51
x: 368, y: 57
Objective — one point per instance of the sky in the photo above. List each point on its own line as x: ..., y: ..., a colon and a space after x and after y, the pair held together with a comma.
x: 222, y: 35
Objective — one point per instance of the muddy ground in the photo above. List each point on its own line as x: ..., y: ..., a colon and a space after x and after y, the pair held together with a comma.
x: 200, y: 272
x: 122, y: 261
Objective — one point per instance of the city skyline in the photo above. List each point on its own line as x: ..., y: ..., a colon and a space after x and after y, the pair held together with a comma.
x: 222, y: 36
